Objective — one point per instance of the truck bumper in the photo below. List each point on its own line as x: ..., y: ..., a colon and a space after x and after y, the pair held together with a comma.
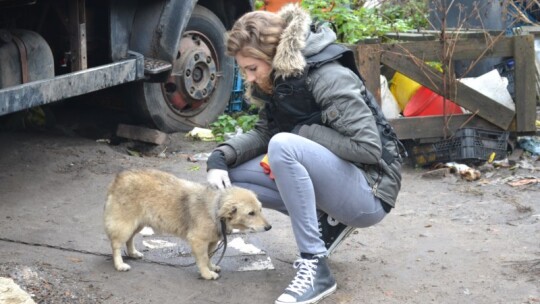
x: 46, y: 91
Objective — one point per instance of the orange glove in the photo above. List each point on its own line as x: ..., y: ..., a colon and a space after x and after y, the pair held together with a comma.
x: 266, y: 166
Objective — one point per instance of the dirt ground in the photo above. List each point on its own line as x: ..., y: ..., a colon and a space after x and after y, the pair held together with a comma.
x: 448, y: 241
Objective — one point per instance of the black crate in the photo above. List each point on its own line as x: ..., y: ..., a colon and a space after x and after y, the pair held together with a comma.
x: 468, y: 145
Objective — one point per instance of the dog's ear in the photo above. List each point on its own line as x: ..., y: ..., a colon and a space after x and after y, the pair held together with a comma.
x: 227, y: 211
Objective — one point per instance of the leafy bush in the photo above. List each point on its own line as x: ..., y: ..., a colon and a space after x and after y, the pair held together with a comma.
x: 354, y: 22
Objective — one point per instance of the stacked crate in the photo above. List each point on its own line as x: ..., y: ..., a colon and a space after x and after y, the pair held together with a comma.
x: 236, y: 102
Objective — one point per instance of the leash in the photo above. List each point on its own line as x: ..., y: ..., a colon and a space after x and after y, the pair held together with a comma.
x: 221, y: 244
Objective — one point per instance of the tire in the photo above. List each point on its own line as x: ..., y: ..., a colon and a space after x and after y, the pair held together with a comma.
x: 200, y: 84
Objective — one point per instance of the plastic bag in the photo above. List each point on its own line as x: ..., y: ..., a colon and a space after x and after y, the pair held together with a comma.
x: 389, y: 105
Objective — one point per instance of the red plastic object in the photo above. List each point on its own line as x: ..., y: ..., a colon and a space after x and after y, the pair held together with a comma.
x: 266, y: 166
x: 425, y: 102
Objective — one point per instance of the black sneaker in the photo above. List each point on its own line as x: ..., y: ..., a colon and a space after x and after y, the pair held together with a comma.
x: 312, y: 282
x: 332, y: 232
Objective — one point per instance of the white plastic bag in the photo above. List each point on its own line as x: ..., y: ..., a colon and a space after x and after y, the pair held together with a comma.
x: 389, y: 103
x: 493, y: 86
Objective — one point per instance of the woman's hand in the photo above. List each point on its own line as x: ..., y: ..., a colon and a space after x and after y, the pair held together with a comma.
x: 218, y: 178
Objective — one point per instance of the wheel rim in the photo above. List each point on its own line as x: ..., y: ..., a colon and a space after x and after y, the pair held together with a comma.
x: 194, y: 75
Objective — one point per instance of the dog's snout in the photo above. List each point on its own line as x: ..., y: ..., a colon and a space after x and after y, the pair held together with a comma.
x: 267, y: 227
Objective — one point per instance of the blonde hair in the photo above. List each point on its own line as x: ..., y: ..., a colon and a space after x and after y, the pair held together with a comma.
x: 256, y: 35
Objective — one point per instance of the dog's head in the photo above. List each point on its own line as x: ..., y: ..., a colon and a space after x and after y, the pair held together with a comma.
x: 242, y: 210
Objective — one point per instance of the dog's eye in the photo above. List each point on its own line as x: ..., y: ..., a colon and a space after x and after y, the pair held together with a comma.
x: 252, y: 213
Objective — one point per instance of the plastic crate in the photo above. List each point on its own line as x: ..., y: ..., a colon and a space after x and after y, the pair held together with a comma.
x: 236, y: 101
x: 422, y: 154
x: 238, y: 83
x: 468, y: 145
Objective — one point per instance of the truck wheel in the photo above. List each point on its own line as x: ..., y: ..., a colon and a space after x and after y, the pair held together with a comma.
x: 199, y: 87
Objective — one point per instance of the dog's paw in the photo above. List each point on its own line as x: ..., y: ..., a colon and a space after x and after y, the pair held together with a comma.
x: 135, y: 255
x: 210, y: 275
x: 123, y: 267
x: 215, y: 268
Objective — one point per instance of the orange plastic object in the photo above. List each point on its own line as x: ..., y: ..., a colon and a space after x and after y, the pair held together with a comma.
x: 425, y: 102
x: 266, y: 166
x: 403, y: 88
x: 276, y: 5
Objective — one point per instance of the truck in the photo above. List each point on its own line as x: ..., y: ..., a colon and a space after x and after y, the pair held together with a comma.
x: 166, y: 56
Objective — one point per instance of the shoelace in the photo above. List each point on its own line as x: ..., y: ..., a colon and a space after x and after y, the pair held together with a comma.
x: 304, y: 277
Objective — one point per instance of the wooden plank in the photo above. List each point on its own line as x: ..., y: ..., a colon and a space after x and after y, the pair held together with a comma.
x: 524, y: 82
x: 434, y: 126
x: 530, y: 29
x: 470, y: 99
x: 535, y: 31
x: 368, y: 63
x: 416, y: 36
x: 141, y: 133
x: 461, y: 49
x: 436, y: 34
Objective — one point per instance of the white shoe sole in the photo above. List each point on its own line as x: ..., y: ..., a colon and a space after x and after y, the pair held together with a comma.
x: 345, y: 233
x: 314, y: 300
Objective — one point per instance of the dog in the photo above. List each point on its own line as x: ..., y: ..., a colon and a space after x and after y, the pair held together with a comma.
x: 170, y: 205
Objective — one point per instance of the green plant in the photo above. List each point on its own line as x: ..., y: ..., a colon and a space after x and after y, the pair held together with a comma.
x: 247, y: 122
x: 223, y: 124
x: 228, y: 124
x: 354, y: 22
x: 258, y: 4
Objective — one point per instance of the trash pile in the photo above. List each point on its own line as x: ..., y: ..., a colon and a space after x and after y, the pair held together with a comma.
x: 521, y: 166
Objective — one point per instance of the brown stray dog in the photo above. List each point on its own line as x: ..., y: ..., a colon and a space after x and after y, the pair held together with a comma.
x: 178, y: 207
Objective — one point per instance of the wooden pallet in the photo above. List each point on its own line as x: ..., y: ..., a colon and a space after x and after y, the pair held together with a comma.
x: 409, y: 59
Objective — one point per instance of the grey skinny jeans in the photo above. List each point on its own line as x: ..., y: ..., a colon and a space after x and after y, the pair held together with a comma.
x: 309, y: 177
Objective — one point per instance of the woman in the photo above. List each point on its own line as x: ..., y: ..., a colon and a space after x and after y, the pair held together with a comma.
x: 321, y: 139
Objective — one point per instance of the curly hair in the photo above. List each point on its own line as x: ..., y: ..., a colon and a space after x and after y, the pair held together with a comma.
x: 256, y: 35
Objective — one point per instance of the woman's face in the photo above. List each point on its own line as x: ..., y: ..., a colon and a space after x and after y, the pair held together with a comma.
x: 255, y: 71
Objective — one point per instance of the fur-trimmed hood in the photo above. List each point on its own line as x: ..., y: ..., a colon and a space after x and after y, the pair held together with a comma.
x: 297, y: 42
